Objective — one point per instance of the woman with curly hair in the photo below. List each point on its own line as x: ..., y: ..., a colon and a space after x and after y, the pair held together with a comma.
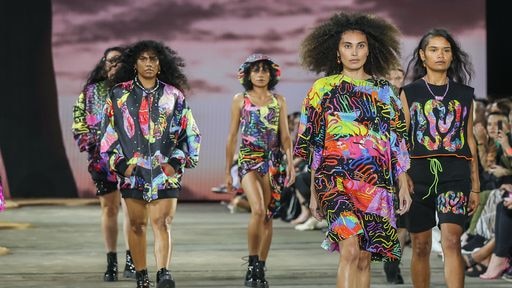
x: 261, y: 116
x: 150, y: 137
x: 87, y: 119
x: 438, y: 108
x: 352, y: 132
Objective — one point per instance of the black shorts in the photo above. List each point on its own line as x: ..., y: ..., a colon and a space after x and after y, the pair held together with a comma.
x: 442, y: 185
x: 162, y: 194
x: 104, y: 187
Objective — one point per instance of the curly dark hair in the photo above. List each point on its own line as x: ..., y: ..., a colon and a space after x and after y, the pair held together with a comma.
x: 171, y: 64
x: 460, y: 70
x: 267, y: 66
x: 318, y: 50
x: 98, y: 73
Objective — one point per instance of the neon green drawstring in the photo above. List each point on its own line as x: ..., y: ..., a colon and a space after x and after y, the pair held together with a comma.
x: 435, y: 167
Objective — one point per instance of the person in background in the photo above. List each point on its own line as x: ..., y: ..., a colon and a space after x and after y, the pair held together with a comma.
x: 87, y: 119
x: 261, y: 116
x: 353, y: 135
x: 150, y: 137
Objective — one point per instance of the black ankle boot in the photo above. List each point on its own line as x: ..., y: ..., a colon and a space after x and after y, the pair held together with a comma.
x: 129, y: 268
x: 142, y: 278
x: 392, y: 270
x: 261, y: 282
x: 164, y: 279
x: 111, y: 273
x: 250, y: 275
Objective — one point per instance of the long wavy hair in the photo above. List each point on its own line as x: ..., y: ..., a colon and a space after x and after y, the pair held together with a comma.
x: 318, y: 50
x: 99, y: 73
x: 461, y: 68
x: 171, y: 65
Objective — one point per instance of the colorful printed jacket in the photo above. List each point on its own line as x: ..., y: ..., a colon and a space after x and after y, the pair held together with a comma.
x: 88, y: 117
x: 149, y: 129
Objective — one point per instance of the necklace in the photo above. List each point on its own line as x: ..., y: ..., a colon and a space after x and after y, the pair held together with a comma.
x: 145, y: 89
x: 438, y: 98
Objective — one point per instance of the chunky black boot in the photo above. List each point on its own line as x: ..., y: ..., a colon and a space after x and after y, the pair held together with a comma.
x: 142, y: 278
x: 164, y: 279
x: 111, y: 273
x: 261, y: 282
x: 392, y: 270
x: 129, y: 268
x: 250, y: 276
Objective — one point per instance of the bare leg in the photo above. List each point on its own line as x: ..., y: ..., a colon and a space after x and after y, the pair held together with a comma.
x: 420, y: 262
x: 453, y: 262
x: 138, y: 213
x: 109, y: 211
x: 267, y: 225
x: 363, y: 270
x: 348, y: 263
x: 126, y: 224
x: 251, y: 183
x: 161, y: 213
x: 304, y: 211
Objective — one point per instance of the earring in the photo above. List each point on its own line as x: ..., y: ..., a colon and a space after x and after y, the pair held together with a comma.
x: 338, y: 57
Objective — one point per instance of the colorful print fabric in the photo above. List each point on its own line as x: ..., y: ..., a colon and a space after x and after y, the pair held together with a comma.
x: 88, y: 116
x: 149, y: 128
x: 438, y: 125
x: 353, y: 134
x: 260, y: 148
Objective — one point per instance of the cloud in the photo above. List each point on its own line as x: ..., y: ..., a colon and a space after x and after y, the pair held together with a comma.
x: 198, y: 86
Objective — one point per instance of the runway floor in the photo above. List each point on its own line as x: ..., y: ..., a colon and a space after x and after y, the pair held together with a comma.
x: 59, y: 244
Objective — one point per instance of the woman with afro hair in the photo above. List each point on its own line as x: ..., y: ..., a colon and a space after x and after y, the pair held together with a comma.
x: 261, y: 116
x: 353, y: 134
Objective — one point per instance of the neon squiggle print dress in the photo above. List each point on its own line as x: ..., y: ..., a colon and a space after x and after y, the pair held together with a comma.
x: 352, y: 132
x: 260, y: 149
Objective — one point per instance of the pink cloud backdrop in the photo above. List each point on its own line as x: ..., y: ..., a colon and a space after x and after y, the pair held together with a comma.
x: 214, y: 37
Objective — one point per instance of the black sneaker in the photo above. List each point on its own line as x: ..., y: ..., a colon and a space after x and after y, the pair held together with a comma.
x: 164, y: 279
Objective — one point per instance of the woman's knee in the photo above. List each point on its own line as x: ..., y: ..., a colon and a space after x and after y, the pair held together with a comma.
x: 364, y: 261
x: 111, y: 210
x: 138, y: 226
x: 161, y: 222
x: 421, y: 246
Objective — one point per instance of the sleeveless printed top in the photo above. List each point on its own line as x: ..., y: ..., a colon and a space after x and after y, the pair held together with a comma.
x: 259, y: 127
x: 438, y: 124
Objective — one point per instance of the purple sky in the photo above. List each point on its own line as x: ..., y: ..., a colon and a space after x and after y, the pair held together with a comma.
x: 215, y: 36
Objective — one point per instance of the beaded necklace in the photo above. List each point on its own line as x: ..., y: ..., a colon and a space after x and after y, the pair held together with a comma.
x: 438, y: 98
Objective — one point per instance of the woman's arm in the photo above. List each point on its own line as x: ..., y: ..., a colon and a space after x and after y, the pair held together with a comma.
x: 234, y: 126
x: 286, y: 141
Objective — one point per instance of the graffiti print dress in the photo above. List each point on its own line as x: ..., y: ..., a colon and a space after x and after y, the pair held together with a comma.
x: 260, y: 149
x: 353, y: 134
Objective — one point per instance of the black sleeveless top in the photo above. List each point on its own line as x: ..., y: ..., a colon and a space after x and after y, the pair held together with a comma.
x: 438, y: 125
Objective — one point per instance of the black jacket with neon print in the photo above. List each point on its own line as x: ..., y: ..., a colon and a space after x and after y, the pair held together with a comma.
x: 149, y: 128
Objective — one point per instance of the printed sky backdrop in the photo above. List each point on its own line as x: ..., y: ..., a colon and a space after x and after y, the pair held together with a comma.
x: 214, y: 37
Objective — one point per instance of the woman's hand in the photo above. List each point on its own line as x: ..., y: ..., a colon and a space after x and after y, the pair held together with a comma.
x: 316, y: 211
x: 290, y: 176
x: 499, y: 171
x: 474, y: 201
x: 168, y: 169
x: 229, y: 182
x: 128, y: 172
x: 404, y: 194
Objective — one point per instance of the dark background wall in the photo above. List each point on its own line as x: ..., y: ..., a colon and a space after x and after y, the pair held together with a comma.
x: 499, y: 61
x: 30, y: 134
